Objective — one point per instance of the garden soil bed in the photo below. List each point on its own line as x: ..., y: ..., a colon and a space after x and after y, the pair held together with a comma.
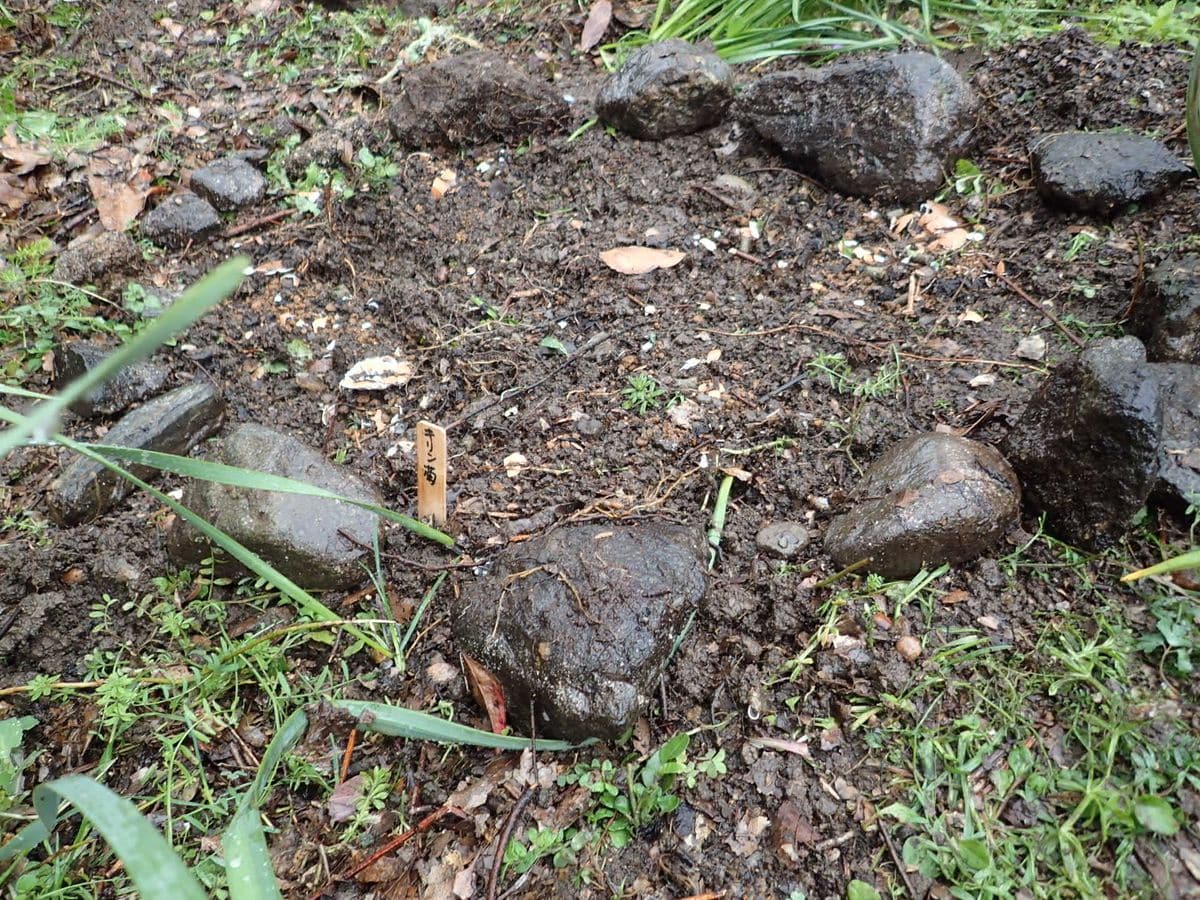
x: 469, y: 287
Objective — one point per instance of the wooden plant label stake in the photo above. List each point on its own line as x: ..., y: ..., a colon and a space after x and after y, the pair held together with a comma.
x: 431, y: 473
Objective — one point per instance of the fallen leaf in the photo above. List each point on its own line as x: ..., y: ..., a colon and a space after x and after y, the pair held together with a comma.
x: 634, y: 260
x: 907, y: 498
x: 514, y: 463
x: 985, y: 380
x: 950, y: 476
x: 120, y: 181
x: 488, y: 693
x: 344, y: 800
x: 599, y: 17
x: 950, y: 240
x: 27, y: 158
x: 377, y: 373
x: 445, y: 183
x: 632, y: 15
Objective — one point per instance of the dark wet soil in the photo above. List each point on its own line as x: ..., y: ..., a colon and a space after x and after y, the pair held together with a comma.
x: 469, y: 288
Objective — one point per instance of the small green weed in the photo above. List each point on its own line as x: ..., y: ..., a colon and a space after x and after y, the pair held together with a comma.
x: 42, y: 309
x: 627, y: 798
x: 641, y: 394
x: 1079, y: 243
x: 1081, y: 792
x: 835, y: 369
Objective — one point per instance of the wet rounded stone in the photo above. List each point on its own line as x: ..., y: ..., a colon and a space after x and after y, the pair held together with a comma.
x: 1166, y: 314
x: 782, y: 539
x: 469, y: 99
x: 891, y: 126
x: 229, y: 183
x: 300, y: 536
x: 580, y: 622
x: 129, y: 385
x: 669, y: 88
x: 1087, y: 445
x: 930, y: 499
x: 1102, y: 173
x: 181, y: 218
x: 174, y: 422
x: 89, y: 259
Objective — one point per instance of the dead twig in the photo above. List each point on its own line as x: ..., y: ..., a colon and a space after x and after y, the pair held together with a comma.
x: 237, y: 230
x: 505, y: 836
x: 424, y: 825
x: 1020, y: 292
x: 898, y: 860
x: 116, y: 82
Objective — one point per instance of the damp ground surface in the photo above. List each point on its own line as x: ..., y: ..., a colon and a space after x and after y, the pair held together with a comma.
x: 833, y: 331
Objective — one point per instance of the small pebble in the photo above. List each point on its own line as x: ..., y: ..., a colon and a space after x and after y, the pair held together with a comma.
x: 782, y: 539
x: 908, y: 647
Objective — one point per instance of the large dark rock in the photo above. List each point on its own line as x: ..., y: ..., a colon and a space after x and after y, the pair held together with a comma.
x: 179, y: 219
x: 229, y: 183
x: 891, y: 126
x: 668, y: 88
x: 298, y: 535
x: 471, y: 99
x: 128, y: 386
x: 1178, y: 485
x: 173, y: 423
x: 1167, y: 314
x: 580, y: 622
x: 1103, y: 173
x: 90, y: 258
x: 1087, y: 446
x: 930, y: 499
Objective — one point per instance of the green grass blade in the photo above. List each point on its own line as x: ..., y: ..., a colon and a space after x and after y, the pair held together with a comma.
x: 247, y: 478
x: 247, y: 860
x: 151, y: 863
x: 1190, y: 560
x: 396, y: 721
x: 192, y: 304
x: 285, y: 739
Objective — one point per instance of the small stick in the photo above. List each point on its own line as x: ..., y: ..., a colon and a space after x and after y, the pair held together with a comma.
x: 117, y: 82
x: 1017, y: 289
x: 718, y: 196
x: 505, y: 836
x: 350, y: 744
x: 898, y: 860
x: 396, y: 842
x: 276, y: 216
x: 749, y: 257
x: 853, y: 567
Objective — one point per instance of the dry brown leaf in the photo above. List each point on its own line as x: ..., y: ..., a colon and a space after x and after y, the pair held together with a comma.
x: 634, y: 260
x: 13, y: 192
x: 27, y: 158
x: 950, y: 240
x: 633, y: 15
x: 120, y: 181
x: 488, y: 693
x: 344, y: 800
x: 599, y: 17
x: 445, y: 183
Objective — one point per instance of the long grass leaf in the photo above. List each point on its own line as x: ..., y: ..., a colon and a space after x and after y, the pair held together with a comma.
x: 151, y: 863
x: 396, y: 721
x: 1189, y: 560
x: 288, y: 735
x: 191, y: 305
x: 248, y: 478
x: 247, y: 860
